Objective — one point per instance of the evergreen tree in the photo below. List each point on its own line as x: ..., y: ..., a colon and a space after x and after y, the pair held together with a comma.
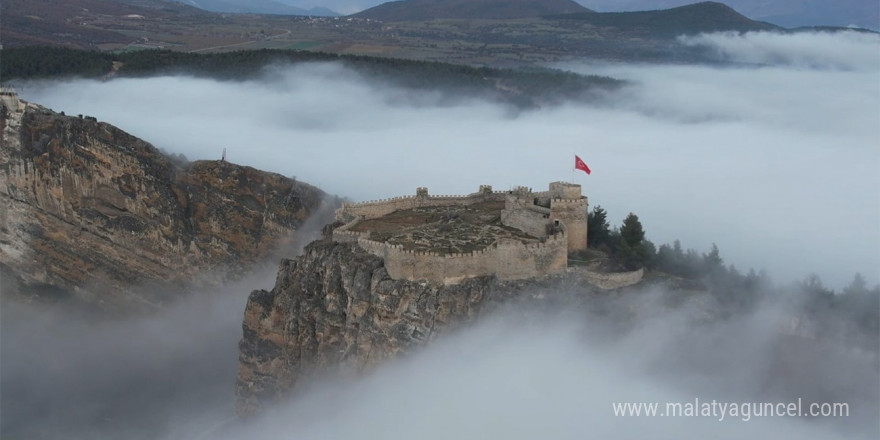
x: 631, y: 251
x: 713, y: 260
x: 713, y: 264
x: 598, y: 229
x: 651, y: 255
x: 858, y: 286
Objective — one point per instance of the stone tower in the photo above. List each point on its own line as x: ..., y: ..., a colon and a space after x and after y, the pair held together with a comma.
x: 569, y: 207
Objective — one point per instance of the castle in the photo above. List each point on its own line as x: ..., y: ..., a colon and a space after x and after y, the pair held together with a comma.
x: 10, y: 99
x: 513, y: 234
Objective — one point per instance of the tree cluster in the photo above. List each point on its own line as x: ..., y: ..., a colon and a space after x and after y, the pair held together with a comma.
x: 626, y: 245
x: 524, y: 88
x: 853, y: 313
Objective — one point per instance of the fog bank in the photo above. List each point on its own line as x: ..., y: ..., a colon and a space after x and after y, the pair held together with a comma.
x: 543, y: 369
x: 777, y: 163
x: 71, y: 372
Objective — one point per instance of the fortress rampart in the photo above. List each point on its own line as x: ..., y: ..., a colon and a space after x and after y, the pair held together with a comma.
x: 343, y: 234
x: 379, y: 208
x: 10, y: 99
x: 554, y: 217
x: 507, y: 259
x: 573, y: 213
x: 614, y: 280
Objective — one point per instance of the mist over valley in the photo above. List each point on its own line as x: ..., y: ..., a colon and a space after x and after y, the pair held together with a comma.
x: 758, y: 159
x: 751, y: 159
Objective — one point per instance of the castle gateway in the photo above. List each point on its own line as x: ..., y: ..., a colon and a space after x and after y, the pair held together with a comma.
x: 445, y: 239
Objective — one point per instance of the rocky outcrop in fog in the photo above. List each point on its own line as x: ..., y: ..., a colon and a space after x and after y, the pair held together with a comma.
x: 335, y: 310
x: 334, y: 313
x: 88, y: 210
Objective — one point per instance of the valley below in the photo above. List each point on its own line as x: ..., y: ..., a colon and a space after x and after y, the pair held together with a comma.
x: 486, y: 41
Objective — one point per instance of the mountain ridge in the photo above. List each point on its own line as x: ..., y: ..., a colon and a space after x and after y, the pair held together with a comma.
x: 407, y: 10
x: 790, y: 14
x: 256, y: 7
x: 707, y: 16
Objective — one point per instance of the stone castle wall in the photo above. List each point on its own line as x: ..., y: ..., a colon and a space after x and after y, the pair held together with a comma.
x: 517, y: 260
x: 614, y: 280
x: 379, y: 208
x: 508, y: 260
x: 344, y: 234
x: 573, y: 213
x: 10, y: 99
x: 565, y: 190
x: 532, y: 219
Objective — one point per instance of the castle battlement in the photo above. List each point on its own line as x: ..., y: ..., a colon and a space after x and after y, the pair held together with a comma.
x: 10, y: 99
x: 542, y: 248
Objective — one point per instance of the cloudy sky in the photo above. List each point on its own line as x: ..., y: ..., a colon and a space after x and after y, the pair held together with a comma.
x: 775, y: 159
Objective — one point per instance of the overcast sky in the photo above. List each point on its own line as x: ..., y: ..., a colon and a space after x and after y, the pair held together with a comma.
x: 776, y: 162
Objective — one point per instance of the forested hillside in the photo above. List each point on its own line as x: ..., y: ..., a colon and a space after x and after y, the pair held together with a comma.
x: 526, y: 88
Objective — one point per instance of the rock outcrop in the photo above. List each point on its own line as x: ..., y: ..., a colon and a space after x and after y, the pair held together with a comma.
x: 335, y: 310
x: 87, y: 210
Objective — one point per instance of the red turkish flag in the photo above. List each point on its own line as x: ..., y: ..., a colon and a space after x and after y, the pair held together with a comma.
x: 580, y: 165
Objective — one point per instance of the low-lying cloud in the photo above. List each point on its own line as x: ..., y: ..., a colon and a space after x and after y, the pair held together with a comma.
x: 777, y: 163
x: 810, y: 50
x: 69, y: 372
x: 530, y: 371
x: 520, y: 379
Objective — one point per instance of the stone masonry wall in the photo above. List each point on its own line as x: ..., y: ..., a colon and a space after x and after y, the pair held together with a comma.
x: 508, y: 260
x: 517, y: 260
x: 573, y: 213
x: 614, y: 280
x: 532, y: 220
x: 565, y: 190
x: 379, y: 208
x: 344, y: 234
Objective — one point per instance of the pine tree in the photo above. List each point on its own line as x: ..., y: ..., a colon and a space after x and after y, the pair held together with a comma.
x: 631, y: 252
x: 598, y: 229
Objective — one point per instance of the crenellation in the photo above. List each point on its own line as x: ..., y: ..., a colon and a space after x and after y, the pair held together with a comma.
x: 506, y: 258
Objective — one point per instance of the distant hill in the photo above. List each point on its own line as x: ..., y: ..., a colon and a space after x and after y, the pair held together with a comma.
x: 326, y: 9
x: 256, y: 7
x: 46, y: 22
x: 690, y: 19
x: 413, y: 10
x: 788, y: 13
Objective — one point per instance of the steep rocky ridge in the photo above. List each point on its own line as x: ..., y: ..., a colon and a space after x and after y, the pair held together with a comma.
x: 87, y: 210
x: 335, y: 310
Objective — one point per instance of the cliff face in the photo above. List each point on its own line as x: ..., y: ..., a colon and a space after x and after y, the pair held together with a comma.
x: 335, y: 310
x: 86, y: 208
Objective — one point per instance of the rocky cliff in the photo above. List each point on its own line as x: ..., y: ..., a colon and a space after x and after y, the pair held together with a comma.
x: 88, y: 211
x: 335, y: 310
